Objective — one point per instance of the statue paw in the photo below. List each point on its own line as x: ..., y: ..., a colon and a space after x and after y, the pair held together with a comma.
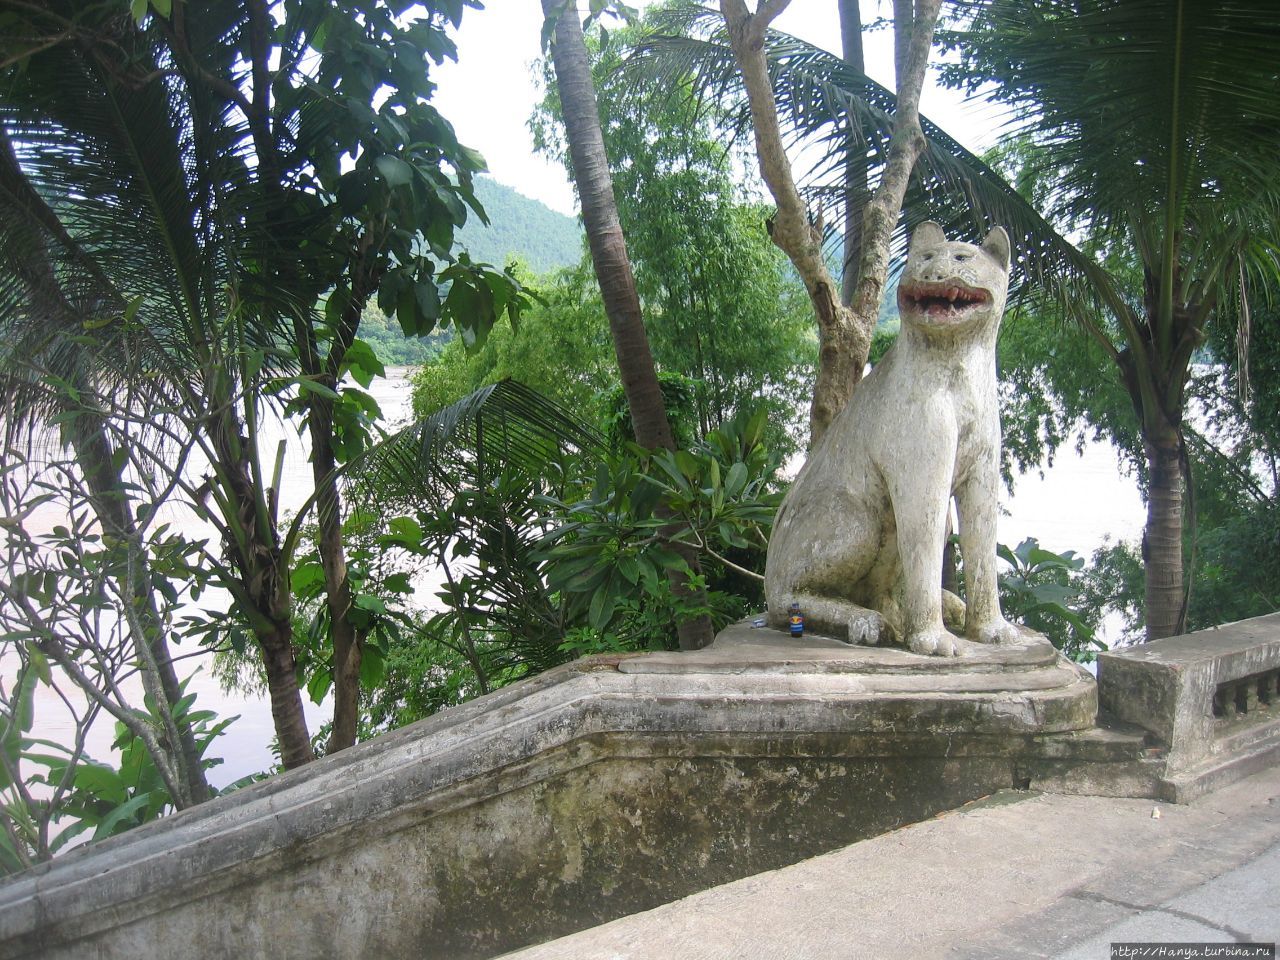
x: 935, y: 642
x: 998, y: 631
x: 868, y: 629
x: 953, y: 611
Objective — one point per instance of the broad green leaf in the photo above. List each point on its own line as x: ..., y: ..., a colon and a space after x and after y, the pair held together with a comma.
x: 101, y: 781
x: 629, y: 568
x: 70, y: 833
x: 363, y: 363
x: 367, y: 601
x: 307, y: 577
x: 603, y: 603
x: 318, y: 685
x: 735, y: 480
x: 688, y: 464
x: 394, y: 171
x: 645, y: 497
x: 307, y: 385
x: 1039, y: 557
x: 121, y: 816
x: 25, y: 701
x: 373, y: 668
x: 397, y: 583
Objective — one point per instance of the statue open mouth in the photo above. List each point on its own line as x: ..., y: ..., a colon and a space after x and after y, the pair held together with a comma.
x: 942, y: 301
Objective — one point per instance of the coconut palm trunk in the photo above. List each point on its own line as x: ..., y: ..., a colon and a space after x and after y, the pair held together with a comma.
x: 613, y: 269
x: 1162, y: 538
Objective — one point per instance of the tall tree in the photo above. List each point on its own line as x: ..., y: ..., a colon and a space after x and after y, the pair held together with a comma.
x: 1157, y: 119
x: 196, y: 153
x: 717, y: 301
x: 612, y: 264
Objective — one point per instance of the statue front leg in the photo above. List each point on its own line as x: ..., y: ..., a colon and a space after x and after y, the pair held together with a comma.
x: 922, y: 529
x: 976, y: 501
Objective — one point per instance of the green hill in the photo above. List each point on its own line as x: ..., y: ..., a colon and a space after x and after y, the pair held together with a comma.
x: 520, y: 227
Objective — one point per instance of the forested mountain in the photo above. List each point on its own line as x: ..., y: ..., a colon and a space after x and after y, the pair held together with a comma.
x: 520, y: 227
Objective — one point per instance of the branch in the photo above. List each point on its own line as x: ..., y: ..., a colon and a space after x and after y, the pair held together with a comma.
x: 52, y: 646
x: 908, y: 142
x: 182, y: 51
x: 843, y: 347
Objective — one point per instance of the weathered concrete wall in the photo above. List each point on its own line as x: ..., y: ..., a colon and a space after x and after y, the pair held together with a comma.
x: 599, y: 789
x: 1211, y: 699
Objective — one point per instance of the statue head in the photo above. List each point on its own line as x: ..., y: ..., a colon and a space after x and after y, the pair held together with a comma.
x: 951, y: 285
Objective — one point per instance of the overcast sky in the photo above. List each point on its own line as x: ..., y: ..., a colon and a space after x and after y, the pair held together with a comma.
x: 491, y: 91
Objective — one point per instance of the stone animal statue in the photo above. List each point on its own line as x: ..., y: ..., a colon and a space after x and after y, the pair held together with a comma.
x: 858, y: 540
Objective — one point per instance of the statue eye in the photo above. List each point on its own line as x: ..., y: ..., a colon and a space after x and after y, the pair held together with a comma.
x: 927, y: 256
x: 962, y: 257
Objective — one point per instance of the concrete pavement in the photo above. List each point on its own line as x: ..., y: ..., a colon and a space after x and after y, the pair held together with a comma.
x: 1013, y: 876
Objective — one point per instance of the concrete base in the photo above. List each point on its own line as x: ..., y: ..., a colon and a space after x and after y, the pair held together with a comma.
x: 594, y: 791
x: 1017, y: 876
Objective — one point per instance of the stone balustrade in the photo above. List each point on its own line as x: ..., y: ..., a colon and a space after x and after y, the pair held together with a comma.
x: 1211, y: 699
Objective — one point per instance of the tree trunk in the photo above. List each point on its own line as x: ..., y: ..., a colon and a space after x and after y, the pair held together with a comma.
x: 263, y: 588
x: 348, y: 642
x: 844, y: 333
x: 286, y: 698
x: 111, y: 505
x: 613, y: 268
x: 855, y: 168
x: 1162, y: 538
x: 348, y: 650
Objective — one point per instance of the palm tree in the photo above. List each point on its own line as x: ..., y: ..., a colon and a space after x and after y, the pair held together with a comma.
x: 612, y: 264
x: 1155, y: 123
x: 1158, y: 120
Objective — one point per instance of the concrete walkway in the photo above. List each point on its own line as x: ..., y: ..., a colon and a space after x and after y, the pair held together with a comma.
x: 1014, y: 876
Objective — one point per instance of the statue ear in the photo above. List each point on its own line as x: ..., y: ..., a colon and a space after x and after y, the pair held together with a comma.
x: 926, y: 236
x: 997, y: 245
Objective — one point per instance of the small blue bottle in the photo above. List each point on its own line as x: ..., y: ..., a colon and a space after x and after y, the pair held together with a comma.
x: 796, y: 621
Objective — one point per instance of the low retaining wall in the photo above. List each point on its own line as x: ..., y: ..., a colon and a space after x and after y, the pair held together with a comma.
x: 599, y: 789
x: 1211, y: 699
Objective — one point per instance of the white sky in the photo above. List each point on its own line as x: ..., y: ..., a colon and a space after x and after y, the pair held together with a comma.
x: 489, y: 94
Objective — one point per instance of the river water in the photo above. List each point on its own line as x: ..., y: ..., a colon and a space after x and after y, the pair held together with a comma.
x: 1077, y: 504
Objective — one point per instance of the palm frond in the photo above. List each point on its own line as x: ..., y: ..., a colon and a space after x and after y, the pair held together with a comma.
x: 473, y: 472
x: 502, y: 427
x: 1144, y: 104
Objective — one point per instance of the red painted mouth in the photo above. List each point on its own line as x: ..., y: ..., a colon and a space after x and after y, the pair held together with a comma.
x: 941, y: 301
